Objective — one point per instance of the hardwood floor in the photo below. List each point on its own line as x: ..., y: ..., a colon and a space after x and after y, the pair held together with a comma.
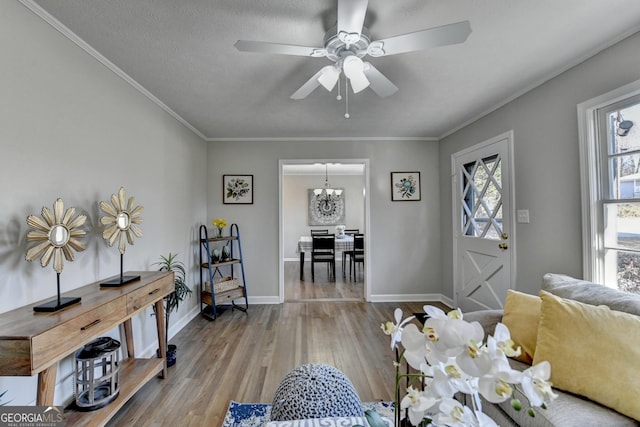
x: 344, y: 288
x: 243, y: 357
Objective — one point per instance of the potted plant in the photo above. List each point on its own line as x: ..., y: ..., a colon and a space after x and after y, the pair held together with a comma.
x: 172, y: 301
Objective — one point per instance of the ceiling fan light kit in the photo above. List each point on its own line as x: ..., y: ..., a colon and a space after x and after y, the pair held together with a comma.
x: 353, y: 68
x: 348, y: 42
x: 329, y: 77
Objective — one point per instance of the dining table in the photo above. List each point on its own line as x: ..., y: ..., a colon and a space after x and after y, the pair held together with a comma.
x: 305, y: 244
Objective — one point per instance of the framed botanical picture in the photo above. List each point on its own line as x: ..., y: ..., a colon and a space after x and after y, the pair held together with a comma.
x: 237, y: 189
x: 405, y: 186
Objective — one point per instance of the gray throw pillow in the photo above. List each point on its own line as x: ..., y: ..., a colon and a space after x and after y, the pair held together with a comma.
x: 590, y: 293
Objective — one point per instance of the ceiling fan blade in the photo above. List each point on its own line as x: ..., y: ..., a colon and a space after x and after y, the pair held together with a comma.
x: 284, y: 49
x: 351, y: 15
x: 378, y: 82
x: 432, y: 37
x: 308, y: 87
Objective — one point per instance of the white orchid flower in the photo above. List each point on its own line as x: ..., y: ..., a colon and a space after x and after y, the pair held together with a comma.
x: 501, y: 341
x: 475, y: 360
x: 441, y: 384
x: 455, y: 314
x: 535, y: 384
x: 436, y: 352
x: 434, y: 312
x: 484, y: 420
x: 443, y: 337
x: 415, y: 346
x: 450, y: 358
x: 494, y: 389
x: 496, y: 385
x: 454, y: 414
x: 449, y: 376
x: 395, y: 329
x: 418, y: 402
x: 450, y: 337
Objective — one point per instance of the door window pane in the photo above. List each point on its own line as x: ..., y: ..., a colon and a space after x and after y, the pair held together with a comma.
x: 482, y: 198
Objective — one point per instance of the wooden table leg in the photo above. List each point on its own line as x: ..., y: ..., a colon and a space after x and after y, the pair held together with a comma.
x: 128, y: 337
x: 301, y: 265
x: 46, y: 386
x: 162, y: 337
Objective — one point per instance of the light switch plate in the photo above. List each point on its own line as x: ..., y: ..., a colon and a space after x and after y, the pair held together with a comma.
x: 523, y: 216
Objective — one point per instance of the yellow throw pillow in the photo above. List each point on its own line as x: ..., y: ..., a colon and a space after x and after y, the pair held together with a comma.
x: 521, y: 316
x: 594, y: 352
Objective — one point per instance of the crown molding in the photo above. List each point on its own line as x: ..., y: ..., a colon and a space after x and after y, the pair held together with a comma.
x: 327, y: 139
x: 553, y: 74
x: 60, y: 27
x: 65, y: 31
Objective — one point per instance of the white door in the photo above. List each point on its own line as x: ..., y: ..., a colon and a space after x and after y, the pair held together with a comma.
x: 483, y: 231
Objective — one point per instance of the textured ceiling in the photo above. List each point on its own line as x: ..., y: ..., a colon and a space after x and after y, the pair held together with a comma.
x: 182, y: 53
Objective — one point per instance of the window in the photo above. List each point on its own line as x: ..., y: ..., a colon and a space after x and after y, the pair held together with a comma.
x: 610, y: 161
x: 482, y: 198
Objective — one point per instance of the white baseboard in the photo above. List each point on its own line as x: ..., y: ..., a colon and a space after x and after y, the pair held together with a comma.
x: 412, y: 298
x: 264, y: 300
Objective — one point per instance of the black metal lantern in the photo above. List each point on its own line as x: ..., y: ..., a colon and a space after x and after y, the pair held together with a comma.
x: 97, y: 375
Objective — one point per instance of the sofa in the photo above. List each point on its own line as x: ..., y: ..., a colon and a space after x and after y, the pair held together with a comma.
x: 590, y: 334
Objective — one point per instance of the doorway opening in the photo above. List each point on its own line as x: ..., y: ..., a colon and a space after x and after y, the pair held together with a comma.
x: 298, y: 179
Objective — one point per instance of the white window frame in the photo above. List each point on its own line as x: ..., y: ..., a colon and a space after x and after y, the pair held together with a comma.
x: 591, y: 178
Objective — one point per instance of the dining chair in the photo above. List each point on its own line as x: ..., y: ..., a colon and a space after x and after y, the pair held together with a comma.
x: 325, y: 231
x: 357, y: 255
x: 348, y: 232
x: 323, y: 250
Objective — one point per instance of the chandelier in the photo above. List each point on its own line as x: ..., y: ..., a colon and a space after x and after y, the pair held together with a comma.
x: 327, y: 196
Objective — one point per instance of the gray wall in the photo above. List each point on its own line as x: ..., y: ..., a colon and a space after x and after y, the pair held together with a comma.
x: 547, y: 167
x: 73, y: 129
x: 404, y: 237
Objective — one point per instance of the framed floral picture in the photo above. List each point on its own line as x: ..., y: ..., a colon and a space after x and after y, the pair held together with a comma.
x: 237, y: 189
x: 405, y: 186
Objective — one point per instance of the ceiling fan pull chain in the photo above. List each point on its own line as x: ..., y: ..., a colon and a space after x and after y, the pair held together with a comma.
x: 346, y: 97
x: 339, y: 97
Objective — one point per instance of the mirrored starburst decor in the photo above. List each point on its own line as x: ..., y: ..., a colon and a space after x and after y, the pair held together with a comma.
x: 120, y: 222
x: 57, y: 235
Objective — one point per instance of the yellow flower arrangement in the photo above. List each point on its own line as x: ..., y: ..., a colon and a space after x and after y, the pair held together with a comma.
x: 219, y: 223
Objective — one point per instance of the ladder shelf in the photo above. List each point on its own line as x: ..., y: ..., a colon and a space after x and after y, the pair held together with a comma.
x: 221, y: 281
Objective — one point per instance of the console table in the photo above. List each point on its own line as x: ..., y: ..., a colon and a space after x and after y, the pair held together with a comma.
x: 33, y: 343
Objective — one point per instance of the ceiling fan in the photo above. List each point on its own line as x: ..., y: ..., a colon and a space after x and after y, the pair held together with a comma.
x: 348, y: 42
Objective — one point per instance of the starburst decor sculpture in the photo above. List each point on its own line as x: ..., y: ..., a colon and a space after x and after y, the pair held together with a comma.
x: 57, y: 234
x: 121, y: 221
